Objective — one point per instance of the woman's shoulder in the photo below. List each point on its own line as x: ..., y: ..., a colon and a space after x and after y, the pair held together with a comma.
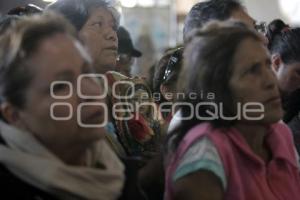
x: 282, y: 138
x: 281, y: 125
x: 14, y: 188
x: 201, y: 155
x: 282, y: 130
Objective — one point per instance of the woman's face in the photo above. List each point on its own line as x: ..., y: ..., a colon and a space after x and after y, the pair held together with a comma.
x: 100, y: 36
x: 254, y: 81
x: 60, y: 58
x: 289, y: 77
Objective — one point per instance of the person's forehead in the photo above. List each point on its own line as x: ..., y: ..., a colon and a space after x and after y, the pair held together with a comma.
x: 248, y: 52
x: 100, y: 13
x: 55, y: 44
x: 58, y: 50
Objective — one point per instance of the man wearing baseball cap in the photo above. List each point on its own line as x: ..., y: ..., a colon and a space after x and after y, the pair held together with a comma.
x: 126, y: 52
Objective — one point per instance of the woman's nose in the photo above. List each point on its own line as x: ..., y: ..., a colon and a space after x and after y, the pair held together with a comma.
x: 269, y: 79
x: 111, y: 35
x: 90, y: 89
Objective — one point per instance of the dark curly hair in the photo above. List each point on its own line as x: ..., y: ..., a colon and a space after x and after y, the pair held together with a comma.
x: 203, y: 12
x: 284, y: 41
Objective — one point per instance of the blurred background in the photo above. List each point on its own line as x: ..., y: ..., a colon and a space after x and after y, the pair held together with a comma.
x: 156, y: 25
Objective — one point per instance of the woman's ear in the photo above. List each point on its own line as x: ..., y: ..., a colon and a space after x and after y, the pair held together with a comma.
x: 276, y: 62
x: 9, y: 113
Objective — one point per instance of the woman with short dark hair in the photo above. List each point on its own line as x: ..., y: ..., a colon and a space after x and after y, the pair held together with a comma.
x: 284, y: 45
x: 230, y: 143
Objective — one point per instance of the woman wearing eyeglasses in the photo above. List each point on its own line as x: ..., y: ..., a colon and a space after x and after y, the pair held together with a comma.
x: 165, y: 81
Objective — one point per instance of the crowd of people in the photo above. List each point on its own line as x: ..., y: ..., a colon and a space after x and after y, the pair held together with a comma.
x: 219, y: 117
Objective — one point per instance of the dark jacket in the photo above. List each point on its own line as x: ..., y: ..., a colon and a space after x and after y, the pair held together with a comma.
x: 291, y: 117
x: 13, y: 187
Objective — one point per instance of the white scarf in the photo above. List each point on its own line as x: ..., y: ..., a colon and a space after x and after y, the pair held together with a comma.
x: 29, y: 160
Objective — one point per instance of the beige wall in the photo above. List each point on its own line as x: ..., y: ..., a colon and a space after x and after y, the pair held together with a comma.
x: 264, y: 10
x: 183, y: 6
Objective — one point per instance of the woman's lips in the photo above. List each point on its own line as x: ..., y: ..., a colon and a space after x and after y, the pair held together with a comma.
x: 110, y: 52
x: 115, y: 48
x: 112, y: 49
x: 276, y: 100
x: 94, y: 118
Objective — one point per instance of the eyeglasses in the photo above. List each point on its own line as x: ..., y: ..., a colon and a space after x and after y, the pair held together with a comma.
x: 261, y: 27
x: 25, y: 10
x: 175, y: 58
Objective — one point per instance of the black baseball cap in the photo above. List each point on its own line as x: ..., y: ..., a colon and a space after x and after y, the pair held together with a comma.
x: 125, y: 43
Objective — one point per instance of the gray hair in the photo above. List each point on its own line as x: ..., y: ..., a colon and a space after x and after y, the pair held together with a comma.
x: 78, y: 11
x: 17, y: 44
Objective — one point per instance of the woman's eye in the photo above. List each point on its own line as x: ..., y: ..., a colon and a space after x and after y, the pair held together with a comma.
x: 254, y: 69
x: 60, y: 87
x: 99, y: 24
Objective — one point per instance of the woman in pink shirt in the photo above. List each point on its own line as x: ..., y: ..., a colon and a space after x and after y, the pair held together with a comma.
x: 230, y: 144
